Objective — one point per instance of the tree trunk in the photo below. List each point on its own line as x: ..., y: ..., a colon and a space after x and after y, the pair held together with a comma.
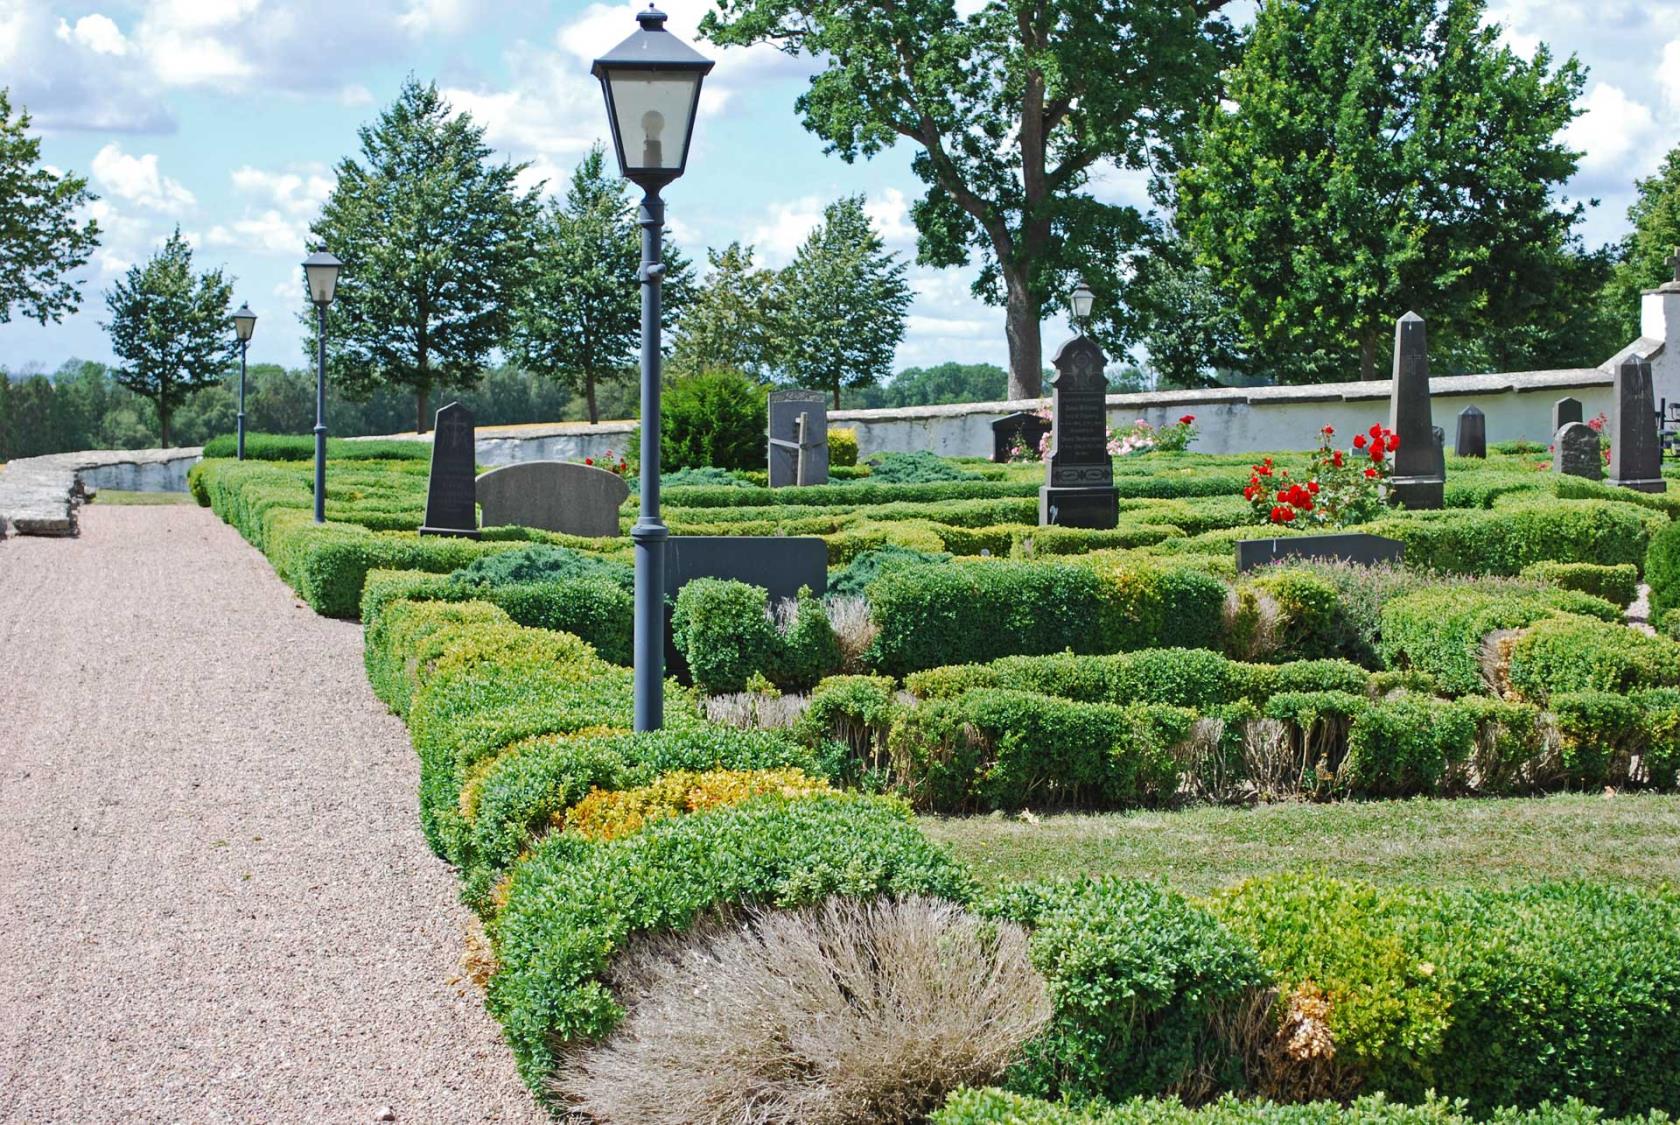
x: 837, y: 396
x: 163, y: 423
x: 420, y: 408
x: 1368, y: 354
x: 1026, y: 346
x: 589, y: 396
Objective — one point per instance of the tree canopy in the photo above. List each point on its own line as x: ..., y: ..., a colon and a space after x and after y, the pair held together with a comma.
x: 41, y: 243
x: 170, y: 327
x: 579, y: 319
x: 843, y: 302
x: 1375, y: 156
x: 1648, y: 248
x: 1011, y: 109
x: 436, y: 242
x: 731, y: 323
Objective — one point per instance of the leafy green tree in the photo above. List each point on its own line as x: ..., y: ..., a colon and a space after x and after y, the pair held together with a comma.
x: 579, y: 320
x: 436, y: 245
x: 731, y: 323
x: 842, y: 303
x: 169, y: 327
x: 1646, y: 250
x: 1009, y: 109
x: 41, y: 244
x: 1375, y: 156
x: 1188, y: 326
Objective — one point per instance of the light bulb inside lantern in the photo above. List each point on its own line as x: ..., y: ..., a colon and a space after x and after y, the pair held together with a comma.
x: 653, y: 123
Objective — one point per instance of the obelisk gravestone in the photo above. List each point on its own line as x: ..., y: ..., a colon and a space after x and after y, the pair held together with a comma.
x: 1635, y: 448
x: 450, y: 495
x: 1079, y: 473
x: 1419, y: 475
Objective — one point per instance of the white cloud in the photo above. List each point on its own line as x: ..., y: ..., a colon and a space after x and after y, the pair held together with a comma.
x: 97, y: 33
x: 298, y: 191
x: 268, y: 232
x: 137, y: 180
x: 354, y: 95
x: 779, y: 237
x: 1668, y: 76
x: 422, y: 17
x: 1616, y: 134
x: 283, y: 203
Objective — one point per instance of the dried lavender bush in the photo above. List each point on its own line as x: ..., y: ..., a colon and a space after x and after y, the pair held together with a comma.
x: 844, y: 1012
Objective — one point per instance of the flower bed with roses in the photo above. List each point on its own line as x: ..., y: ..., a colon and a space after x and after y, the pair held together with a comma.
x: 1343, y: 487
x: 1139, y: 437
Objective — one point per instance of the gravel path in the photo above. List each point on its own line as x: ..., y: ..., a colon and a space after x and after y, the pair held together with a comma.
x: 215, y: 901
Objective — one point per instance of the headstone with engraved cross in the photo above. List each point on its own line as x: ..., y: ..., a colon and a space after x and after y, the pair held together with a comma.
x: 1419, y: 475
x: 1079, y: 473
x: 798, y: 438
x: 1635, y: 450
x: 451, y: 496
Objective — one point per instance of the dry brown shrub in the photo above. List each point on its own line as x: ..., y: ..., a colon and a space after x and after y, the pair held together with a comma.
x: 854, y: 628
x: 478, y: 959
x: 750, y: 710
x: 1208, y: 773
x: 1494, y: 660
x: 1292, y: 1051
x: 844, y: 1012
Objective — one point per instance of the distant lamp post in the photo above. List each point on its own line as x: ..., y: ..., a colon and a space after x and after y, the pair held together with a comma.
x: 1080, y: 302
x: 321, y: 270
x: 652, y: 86
x: 244, y: 323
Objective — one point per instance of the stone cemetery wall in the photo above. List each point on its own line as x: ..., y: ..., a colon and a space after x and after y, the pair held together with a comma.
x: 38, y: 495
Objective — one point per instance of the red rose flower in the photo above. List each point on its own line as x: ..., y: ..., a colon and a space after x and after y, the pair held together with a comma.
x: 1287, y: 515
x: 1393, y: 441
x: 1330, y: 431
x: 1370, y: 472
x: 589, y: 460
x: 1283, y: 497
x: 1267, y: 461
x: 1187, y: 419
x: 1312, y: 486
x: 1336, y: 458
x: 1376, y: 455
x: 1376, y: 429
x: 1359, y: 441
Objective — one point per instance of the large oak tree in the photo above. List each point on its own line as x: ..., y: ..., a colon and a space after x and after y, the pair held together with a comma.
x: 41, y: 242
x: 436, y: 241
x: 1010, y: 109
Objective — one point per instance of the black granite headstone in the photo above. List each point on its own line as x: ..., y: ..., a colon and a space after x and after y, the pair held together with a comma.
x: 451, y: 497
x: 1023, y: 429
x: 1635, y: 450
x: 1079, y: 473
x: 798, y: 438
x: 779, y: 563
x: 1366, y: 550
x: 1564, y: 411
x: 1577, y: 451
x: 1472, y: 433
x: 1419, y: 478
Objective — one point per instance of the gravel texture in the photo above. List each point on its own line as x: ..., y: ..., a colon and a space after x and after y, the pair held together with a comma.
x: 215, y: 901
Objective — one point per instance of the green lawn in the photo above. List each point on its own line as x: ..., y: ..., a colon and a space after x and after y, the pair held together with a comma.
x: 109, y: 496
x: 1622, y: 839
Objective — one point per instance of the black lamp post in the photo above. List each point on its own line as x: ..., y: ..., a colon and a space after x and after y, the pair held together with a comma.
x: 321, y: 270
x: 244, y: 323
x: 652, y: 86
x: 1080, y: 302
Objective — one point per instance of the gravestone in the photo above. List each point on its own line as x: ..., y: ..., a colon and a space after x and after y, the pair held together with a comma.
x: 558, y: 496
x: 1024, y: 429
x: 1565, y: 411
x: 1366, y: 550
x: 1577, y: 452
x: 450, y: 495
x: 779, y: 563
x: 1472, y: 433
x: 1418, y: 479
x: 1635, y: 450
x: 1079, y: 473
x: 798, y: 438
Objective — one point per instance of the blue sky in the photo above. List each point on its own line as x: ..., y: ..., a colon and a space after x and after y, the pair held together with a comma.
x: 226, y: 118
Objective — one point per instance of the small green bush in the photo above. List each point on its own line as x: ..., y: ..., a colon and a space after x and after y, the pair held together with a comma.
x: 1618, y: 585
x: 1662, y: 570
x: 723, y: 630
x: 1566, y: 653
x: 1405, y: 746
x: 842, y: 448
x: 920, y: 467
x: 999, y: 1107
x: 573, y: 903
x: 1143, y: 986
x: 715, y: 419
x: 1506, y: 539
x: 808, y: 649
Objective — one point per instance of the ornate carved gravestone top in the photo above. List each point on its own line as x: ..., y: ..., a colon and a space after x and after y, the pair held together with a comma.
x: 1577, y: 452
x: 1635, y: 446
x: 1564, y: 411
x: 1025, y: 429
x: 1472, y: 433
x: 1079, y: 473
x: 450, y: 496
x: 1419, y: 477
x: 558, y: 496
x: 798, y: 438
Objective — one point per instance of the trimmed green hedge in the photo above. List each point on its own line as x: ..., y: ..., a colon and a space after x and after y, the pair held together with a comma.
x: 1506, y: 539
x: 927, y: 616
x: 1662, y: 571
x: 1618, y: 585
x: 999, y: 1107
x: 301, y: 447
x: 572, y: 904
x: 1567, y: 653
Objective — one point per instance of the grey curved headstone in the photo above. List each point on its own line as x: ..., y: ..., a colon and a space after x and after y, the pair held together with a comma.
x: 561, y: 496
x: 1578, y: 452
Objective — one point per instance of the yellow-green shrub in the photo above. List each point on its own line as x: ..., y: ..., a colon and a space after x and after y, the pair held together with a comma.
x: 607, y: 814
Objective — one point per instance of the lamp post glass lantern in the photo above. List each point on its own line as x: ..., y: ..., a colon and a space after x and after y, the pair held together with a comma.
x: 321, y: 271
x: 244, y: 324
x: 651, y: 83
x: 1080, y: 302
